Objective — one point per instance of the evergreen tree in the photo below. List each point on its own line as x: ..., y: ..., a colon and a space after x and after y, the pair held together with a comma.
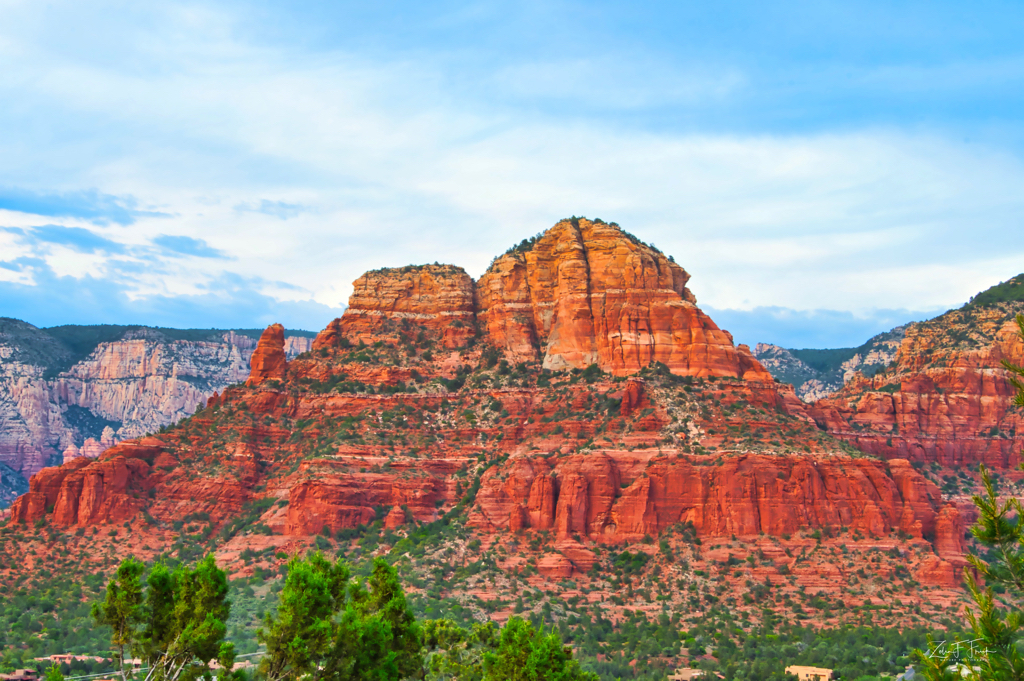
x: 453, y: 653
x: 176, y: 627
x: 330, y: 628
x: 122, y: 611
x: 378, y: 636
x: 526, y: 654
x: 299, y: 638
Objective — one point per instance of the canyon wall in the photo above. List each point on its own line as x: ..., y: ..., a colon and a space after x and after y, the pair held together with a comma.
x: 126, y: 388
x: 945, y: 398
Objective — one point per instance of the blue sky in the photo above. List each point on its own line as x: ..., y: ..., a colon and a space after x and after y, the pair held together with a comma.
x: 823, y: 170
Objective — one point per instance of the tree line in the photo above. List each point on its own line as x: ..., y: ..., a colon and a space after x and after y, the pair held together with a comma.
x: 171, y: 626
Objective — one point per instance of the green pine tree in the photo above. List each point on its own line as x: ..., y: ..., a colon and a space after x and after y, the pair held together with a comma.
x: 122, y: 610
x: 301, y: 635
x: 176, y: 626
x: 527, y: 654
x: 328, y: 627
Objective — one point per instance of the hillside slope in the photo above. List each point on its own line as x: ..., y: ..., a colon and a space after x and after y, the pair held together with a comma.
x: 571, y: 435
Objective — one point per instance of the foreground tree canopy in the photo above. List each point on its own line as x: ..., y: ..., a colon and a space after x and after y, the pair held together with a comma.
x: 175, y: 626
x: 328, y: 626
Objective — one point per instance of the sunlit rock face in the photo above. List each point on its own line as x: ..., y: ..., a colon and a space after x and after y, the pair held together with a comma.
x: 122, y: 389
x: 946, y: 397
x: 588, y: 293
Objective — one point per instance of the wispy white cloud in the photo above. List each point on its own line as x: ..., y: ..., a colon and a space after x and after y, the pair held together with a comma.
x: 372, y: 161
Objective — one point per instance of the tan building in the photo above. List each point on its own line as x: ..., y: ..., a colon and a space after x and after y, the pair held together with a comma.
x: 686, y: 674
x: 21, y: 675
x: 809, y: 673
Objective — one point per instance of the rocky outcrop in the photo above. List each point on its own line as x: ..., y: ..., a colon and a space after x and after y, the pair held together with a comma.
x: 946, y: 399
x: 269, y: 361
x: 84, y: 492
x: 588, y: 293
x: 949, y: 533
x: 435, y: 299
x: 617, y: 496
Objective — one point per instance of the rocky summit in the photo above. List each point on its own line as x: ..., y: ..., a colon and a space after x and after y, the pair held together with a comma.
x: 571, y: 424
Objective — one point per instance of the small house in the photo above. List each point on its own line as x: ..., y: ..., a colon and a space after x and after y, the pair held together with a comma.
x: 21, y: 675
x: 686, y: 674
x: 810, y: 673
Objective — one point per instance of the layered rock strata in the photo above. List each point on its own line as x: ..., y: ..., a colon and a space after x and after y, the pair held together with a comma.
x: 624, y: 496
x: 946, y: 397
x: 586, y: 293
x: 438, y: 299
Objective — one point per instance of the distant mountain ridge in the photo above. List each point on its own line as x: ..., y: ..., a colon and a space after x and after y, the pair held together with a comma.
x: 62, y: 388
x: 818, y: 373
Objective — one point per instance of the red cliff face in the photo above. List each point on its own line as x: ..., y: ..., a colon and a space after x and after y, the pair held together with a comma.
x: 269, y: 360
x: 85, y: 492
x: 437, y: 299
x: 588, y: 293
x: 502, y: 452
x: 946, y: 398
x: 617, y: 496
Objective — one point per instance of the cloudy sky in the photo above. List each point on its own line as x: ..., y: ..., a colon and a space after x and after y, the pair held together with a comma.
x: 824, y: 170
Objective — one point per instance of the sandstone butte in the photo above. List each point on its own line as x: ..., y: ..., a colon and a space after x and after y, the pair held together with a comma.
x: 433, y: 397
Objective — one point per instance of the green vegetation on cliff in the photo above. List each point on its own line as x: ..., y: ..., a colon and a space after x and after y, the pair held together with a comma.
x: 1009, y: 291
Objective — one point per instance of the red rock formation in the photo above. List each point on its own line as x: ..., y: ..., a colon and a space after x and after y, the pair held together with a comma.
x: 588, y: 293
x: 742, y: 496
x: 86, y: 492
x: 946, y: 398
x: 395, y: 518
x: 949, y: 533
x: 438, y: 299
x: 632, y: 397
x: 934, y: 571
x: 269, y: 360
x: 554, y: 456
